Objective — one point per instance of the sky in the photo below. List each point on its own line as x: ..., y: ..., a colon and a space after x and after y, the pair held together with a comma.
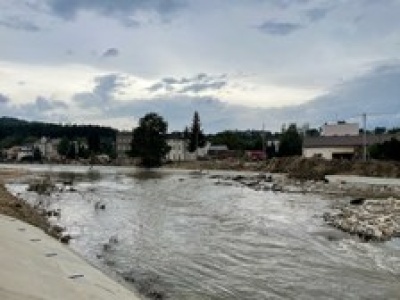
x: 240, y: 63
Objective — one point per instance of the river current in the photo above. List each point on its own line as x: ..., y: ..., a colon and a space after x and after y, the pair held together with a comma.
x: 177, y: 235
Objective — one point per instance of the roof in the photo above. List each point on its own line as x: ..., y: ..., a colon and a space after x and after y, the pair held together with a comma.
x: 345, y: 141
x: 218, y: 148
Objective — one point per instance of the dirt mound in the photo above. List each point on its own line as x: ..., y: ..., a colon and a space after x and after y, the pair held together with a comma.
x: 317, y: 168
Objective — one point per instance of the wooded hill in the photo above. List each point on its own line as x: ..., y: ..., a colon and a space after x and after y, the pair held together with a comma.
x: 15, y: 132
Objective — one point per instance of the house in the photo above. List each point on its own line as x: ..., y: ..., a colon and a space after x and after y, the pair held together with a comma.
x: 340, y: 141
x: 123, y: 146
x: 48, y: 148
x: 179, y: 151
x: 219, y: 151
x: 25, y: 153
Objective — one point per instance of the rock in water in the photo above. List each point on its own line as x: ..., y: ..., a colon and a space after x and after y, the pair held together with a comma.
x: 357, y: 201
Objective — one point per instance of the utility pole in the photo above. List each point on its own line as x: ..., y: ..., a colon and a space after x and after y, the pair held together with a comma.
x: 197, y: 143
x: 364, y: 118
x: 263, y: 141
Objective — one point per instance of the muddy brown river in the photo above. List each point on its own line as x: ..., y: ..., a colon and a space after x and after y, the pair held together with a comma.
x: 175, y: 235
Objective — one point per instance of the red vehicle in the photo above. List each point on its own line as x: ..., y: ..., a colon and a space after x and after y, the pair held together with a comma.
x: 256, y: 155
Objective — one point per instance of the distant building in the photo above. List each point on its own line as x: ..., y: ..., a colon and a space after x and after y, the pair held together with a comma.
x: 12, y: 153
x: 25, y: 153
x: 123, y: 146
x: 340, y: 129
x: 48, y: 148
x: 179, y: 151
x: 218, y: 151
x: 340, y: 141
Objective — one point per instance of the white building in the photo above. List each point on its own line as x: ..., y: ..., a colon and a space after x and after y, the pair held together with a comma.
x: 25, y: 152
x: 179, y: 152
x: 340, y: 129
x: 48, y: 148
x: 123, y: 145
x: 340, y: 141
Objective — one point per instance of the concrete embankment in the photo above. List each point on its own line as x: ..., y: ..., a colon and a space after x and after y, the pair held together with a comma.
x: 36, y: 266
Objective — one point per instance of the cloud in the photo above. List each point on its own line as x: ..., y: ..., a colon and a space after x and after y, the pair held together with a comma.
x: 317, y: 14
x: 279, y: 28
x: 170, y: 80
x: 198, y: 83
x: 111, y: 52
x: 68, y: 9
x: 376, y: 93
x: 156, y: 87
x: 40, y: 109
x: 199, y: 87
x: 102, y: 93
x: 17, y: 23
x: 4, y: 99
x: 43, y: 104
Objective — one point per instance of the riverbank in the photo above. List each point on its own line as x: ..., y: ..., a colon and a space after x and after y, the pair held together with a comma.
x: 18, y: 208
x: 300, y: 167
x: 37, y: 266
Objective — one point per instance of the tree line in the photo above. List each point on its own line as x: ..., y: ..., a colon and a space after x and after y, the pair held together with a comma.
x: 13, y: 132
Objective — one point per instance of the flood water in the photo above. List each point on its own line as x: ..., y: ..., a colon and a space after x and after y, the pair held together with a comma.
x: 182, y: 236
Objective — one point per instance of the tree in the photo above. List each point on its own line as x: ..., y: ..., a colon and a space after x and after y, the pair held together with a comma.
x: 196, y: 137
x: 37, y: 155
x: 389, y: 150
x: 63, y: 147
x: 149, y: 140
x: 291, y: 142
x: 94, y: 142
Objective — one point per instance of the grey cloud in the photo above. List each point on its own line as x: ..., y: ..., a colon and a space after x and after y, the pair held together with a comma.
x: 103, y: 91
x: 17, y: 23
x: 4, y: 99
x: 375, y: 93
x: 170, y: 80
x: 199, y: 87
x: 41, y: 109
x: 279, y: 28
x: 111, y: 52
x: 43, y: 104
x: 317, y: 14
x: 68, y: 9
x: 156, y: 87
x: 197, y: 83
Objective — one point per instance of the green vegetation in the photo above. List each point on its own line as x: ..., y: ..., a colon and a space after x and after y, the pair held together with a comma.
x: 242, y: 140
x: 196, y: 136
x: 389, y: 150
x: 290, y: 142
x: 17, y: 132
x: 149, y: 140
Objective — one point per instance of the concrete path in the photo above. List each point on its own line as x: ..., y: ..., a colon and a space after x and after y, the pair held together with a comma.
x: 364, y: 180
x: 35, y: 266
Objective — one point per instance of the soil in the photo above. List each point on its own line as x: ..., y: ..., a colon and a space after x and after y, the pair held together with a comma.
x: 300, y: 167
